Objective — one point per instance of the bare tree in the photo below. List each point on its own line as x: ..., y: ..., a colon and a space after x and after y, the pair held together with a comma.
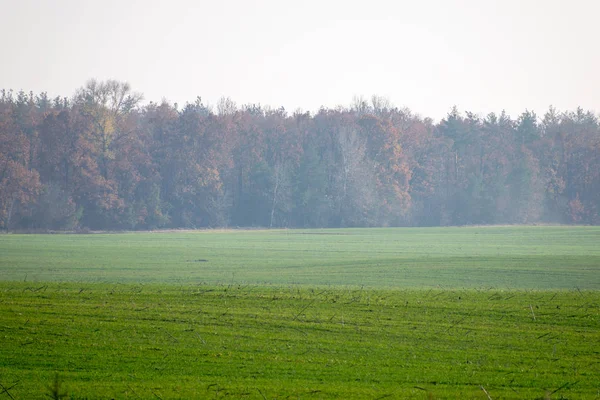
x: 281, y: 188
x: 360, y: 105
x: 380, y: 105
x: 226, y: 106
x: 357, y: 192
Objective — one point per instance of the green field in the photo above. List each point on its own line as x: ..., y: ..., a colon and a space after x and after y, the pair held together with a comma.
x: 497, y: 257
x: 478, y: 312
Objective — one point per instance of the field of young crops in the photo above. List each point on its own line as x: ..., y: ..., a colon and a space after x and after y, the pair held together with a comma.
x: 478, y: 312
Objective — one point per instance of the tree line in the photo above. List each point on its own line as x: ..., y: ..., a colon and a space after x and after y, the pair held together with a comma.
x: 101, y: 160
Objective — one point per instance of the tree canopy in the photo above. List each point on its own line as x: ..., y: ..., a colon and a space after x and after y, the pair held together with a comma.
x: 103, y: 160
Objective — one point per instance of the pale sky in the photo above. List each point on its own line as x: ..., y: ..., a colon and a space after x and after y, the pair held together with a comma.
x: 481, y: 55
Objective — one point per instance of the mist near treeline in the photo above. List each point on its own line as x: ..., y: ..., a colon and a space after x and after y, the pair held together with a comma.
x: 103, y: 160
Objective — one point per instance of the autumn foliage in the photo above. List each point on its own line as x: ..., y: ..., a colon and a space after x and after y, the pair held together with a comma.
x: 102, y: 160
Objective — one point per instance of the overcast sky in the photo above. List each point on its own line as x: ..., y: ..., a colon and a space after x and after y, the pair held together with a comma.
x: 428, y: 55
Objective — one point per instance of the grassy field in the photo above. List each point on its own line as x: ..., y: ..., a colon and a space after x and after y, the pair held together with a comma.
x: 498, y: 312
x: 498, y: 257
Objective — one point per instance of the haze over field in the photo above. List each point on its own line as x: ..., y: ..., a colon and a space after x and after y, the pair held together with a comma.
x: 450, y: 147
